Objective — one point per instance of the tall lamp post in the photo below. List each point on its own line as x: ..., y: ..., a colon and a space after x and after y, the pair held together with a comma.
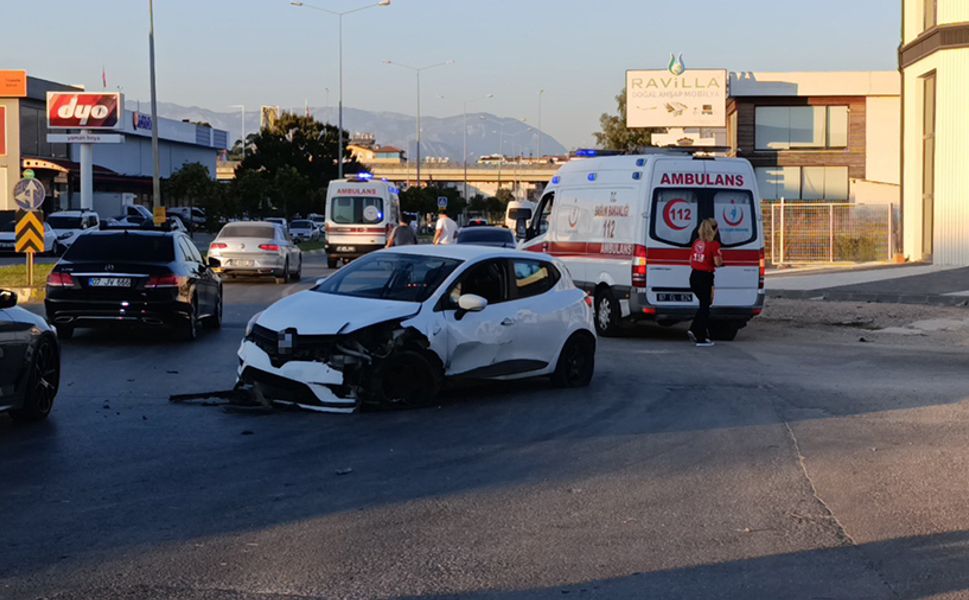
x: 538, y: 154
x: 417, y: 71
x: 465, y: 156
x: 243, y: 107
x: 156, y: 161
x: 340, y: 16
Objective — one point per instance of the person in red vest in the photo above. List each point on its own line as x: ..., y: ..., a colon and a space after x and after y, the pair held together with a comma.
x: 705, y: 257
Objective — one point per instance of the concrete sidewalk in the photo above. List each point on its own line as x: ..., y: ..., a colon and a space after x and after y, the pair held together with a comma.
x: 905, y: 284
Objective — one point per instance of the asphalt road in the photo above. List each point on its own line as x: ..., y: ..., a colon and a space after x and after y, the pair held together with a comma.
x: 792, y: 463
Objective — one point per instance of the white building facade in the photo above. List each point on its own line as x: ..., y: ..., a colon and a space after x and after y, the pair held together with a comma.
x: 934, y: 62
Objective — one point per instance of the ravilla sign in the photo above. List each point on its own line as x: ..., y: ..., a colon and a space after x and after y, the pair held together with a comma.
x: 676, y: 97
x: 83, y: 110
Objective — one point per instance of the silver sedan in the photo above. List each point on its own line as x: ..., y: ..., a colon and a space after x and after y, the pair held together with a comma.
x: 255, y: 248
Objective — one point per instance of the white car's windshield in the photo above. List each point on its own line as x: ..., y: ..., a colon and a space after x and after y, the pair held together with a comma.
x: 390, y: 276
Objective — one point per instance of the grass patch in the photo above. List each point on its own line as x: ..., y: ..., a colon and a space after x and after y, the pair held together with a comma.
x: 310, y: 246
x: 15, y: 276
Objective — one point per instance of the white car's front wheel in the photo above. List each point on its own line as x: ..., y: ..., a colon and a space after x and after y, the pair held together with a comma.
x: 405, y: 378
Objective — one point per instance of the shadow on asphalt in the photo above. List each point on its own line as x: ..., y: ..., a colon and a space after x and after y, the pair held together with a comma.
x: 941, y: 562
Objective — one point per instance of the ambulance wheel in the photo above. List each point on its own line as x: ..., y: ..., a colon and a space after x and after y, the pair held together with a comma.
x: 724, y: 331
x: 607, y: 314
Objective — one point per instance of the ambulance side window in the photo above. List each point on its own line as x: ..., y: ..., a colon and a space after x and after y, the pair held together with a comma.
x: 544, y: 213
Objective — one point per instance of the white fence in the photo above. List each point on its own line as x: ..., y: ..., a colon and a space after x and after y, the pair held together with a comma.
x: 809, y: 232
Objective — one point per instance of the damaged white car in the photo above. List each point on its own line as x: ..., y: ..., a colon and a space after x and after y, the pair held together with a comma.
x: 390, y: 327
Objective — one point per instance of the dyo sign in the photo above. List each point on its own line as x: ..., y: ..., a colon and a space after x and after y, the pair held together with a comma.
x: 82, y: 110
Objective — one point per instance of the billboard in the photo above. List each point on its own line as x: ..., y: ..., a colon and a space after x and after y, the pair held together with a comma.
x: 84, y: 110
x: 676, y: 97
x: 13, y: 84
x: 3, y: 130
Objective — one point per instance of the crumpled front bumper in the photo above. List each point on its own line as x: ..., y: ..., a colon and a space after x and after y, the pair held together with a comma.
x: 305, y: 384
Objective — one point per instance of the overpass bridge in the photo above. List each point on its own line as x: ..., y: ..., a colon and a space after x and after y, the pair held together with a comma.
x: 522, y: 179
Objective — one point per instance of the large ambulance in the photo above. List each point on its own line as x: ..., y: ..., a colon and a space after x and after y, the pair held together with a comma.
x: 360, y: 213
x: 624, y: 226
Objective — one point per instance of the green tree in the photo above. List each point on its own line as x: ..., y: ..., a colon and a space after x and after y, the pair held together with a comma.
x: 424, y: 200
x: 296, y: 158
x: 250, y: 193
x: 191, y: 185
x: 504, y: 196
x: 616, y: 136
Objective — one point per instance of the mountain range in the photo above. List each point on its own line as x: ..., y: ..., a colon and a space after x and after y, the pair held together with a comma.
x: 441, y: 136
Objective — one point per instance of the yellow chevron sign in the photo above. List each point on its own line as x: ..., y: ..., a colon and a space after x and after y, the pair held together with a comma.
x: 30, y: 232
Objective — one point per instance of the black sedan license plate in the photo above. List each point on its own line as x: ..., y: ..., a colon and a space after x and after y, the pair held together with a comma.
x: 109, y: 282
x: 674, y: 297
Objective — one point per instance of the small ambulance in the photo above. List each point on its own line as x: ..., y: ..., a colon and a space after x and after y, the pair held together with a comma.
x: 624, y: 226
x: 360, y: 213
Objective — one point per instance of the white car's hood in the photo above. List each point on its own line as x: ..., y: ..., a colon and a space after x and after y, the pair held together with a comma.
x: 315, y: 313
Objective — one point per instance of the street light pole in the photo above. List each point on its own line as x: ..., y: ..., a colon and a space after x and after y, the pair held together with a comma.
x: 538, y: 154
x: 340, y: 16
x: 243, y: 107
x: 465, y: 156
x: 417, y: 71
x: 155, y: 159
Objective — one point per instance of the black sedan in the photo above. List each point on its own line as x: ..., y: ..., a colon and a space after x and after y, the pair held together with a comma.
x: 137, y: 277
x: 499, y: 237
x: 30, y: 362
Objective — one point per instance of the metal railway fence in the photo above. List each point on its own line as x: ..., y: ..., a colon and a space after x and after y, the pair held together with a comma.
x: 811, y: 232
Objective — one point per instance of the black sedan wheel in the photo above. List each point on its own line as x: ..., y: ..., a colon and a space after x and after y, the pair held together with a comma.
x: 190, y: 327
x: 42, y: 383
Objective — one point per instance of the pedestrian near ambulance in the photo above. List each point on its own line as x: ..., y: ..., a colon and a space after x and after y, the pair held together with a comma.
x: 403, y: 234
x: 446, y: 230
x: 705, y: 257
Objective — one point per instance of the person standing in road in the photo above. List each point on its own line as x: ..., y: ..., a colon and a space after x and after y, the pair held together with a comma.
x: 705, y: 257
x: 403, y: 234
x: 445, y: 232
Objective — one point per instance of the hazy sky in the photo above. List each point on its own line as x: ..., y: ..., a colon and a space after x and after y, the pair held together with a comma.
x: 214, y: 53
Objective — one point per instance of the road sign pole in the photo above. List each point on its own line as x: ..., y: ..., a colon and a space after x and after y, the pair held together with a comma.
x: 87, y: 175
x: 30, y: 269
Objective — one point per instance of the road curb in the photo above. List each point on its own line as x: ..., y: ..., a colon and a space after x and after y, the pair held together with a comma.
x: 846, y: 296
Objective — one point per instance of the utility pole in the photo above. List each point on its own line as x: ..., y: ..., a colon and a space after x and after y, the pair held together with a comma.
x: 155, y: 159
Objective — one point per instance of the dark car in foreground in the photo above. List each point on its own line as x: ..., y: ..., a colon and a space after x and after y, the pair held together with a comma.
x: 498, y: 237
x: 30, y: 362
x: 139, y: 277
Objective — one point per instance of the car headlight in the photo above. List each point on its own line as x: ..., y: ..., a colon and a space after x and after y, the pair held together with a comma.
x: 252, y: 323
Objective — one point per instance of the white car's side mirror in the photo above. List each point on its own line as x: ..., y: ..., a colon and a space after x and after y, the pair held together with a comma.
x: 472, y: 303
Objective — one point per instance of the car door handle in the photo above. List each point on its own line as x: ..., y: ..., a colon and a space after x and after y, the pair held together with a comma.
x: 507, y: 321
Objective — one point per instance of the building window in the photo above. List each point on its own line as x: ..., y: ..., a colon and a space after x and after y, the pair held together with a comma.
x: 829, y: 184
x: 33, y: 135
x: 800, y: 127
x: 930, y: 14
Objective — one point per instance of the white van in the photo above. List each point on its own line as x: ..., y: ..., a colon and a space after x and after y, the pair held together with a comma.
x: 519, y: 209
x: 360, y: 213
x: 624, y: 226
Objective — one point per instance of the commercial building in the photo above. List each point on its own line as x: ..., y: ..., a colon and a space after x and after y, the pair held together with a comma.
x: 934, y: 62
x: 818, y: 136
x: 121, y: 170
x: 365, y: 150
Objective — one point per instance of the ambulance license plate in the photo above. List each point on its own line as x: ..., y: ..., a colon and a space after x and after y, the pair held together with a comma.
x: 674, y: 297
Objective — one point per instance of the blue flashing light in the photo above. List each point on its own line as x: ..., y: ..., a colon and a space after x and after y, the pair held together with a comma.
x: 640, y: 162
x: 364, y: 176
x: 556, y: 179
x: 587, y: 152
x: 592, y: 177
x: 637, y: 175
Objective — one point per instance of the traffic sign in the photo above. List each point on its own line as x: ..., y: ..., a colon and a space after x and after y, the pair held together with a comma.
x: 442, y: 201
x: 30, y: 232
x: 160, y: 215
x: 29, y: 194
